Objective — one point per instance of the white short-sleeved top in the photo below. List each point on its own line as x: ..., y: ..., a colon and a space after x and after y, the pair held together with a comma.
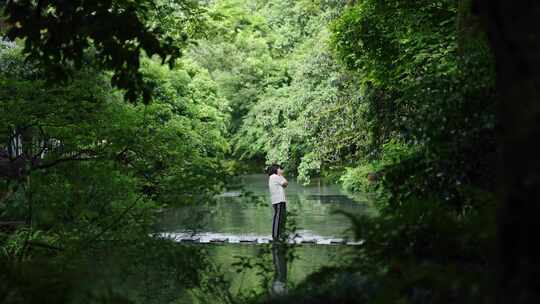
x: 277, y: 192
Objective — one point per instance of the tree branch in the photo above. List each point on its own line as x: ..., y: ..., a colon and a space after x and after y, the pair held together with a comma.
x: 76, y: 157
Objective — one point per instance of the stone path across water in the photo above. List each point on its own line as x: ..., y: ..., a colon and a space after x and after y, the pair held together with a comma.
x: 224, y: 238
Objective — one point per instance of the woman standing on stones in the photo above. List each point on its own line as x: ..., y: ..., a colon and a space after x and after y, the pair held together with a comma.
x: 277, y: 184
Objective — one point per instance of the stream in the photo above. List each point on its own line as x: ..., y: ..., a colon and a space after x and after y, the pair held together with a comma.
x: 235, y: 215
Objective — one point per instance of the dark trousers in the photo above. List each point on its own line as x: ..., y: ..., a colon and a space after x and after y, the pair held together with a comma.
x: 278, y: 222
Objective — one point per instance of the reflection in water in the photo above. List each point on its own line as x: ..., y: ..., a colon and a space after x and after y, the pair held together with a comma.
x: 307, y: 260
x: 332, y: 199
x: 279, y: 285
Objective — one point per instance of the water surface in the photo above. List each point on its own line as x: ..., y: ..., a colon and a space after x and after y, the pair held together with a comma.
x: 247, y: 212
x: 235, y: 213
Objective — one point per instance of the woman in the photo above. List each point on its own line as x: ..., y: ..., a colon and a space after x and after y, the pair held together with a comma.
x: 277, y: 184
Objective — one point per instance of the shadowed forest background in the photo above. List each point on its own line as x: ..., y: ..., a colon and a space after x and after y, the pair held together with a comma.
x: 112, y: 112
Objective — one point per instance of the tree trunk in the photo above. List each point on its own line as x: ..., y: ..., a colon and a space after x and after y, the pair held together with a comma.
x: 514, y: 31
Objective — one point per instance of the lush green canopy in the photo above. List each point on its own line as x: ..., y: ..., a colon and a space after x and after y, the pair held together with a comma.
x: 394, y: 99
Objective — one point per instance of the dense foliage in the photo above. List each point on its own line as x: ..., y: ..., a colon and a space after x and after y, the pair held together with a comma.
x: 60, y: 34
x: 392, y: 98
x: 88, y: 172
x: 417, y: 64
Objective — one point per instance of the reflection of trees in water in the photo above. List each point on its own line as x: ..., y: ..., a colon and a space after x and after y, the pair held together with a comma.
x: 145, y: 271
x: 279, y: 284
x: 251, y: 212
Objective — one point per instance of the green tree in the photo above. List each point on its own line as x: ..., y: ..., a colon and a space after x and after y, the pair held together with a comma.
x: 94, y: 160
x: 115, y: 33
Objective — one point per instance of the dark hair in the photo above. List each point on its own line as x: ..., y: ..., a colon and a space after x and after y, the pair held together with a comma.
x: 273, y: 169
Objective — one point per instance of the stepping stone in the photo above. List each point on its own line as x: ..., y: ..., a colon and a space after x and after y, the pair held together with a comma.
x: 264, y: 241
x: 308, y: 241
x: 290, y: 241
x: 323, y: 242
x: 234, y: 240
x: 220, y: 238
x: 337, y: 241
